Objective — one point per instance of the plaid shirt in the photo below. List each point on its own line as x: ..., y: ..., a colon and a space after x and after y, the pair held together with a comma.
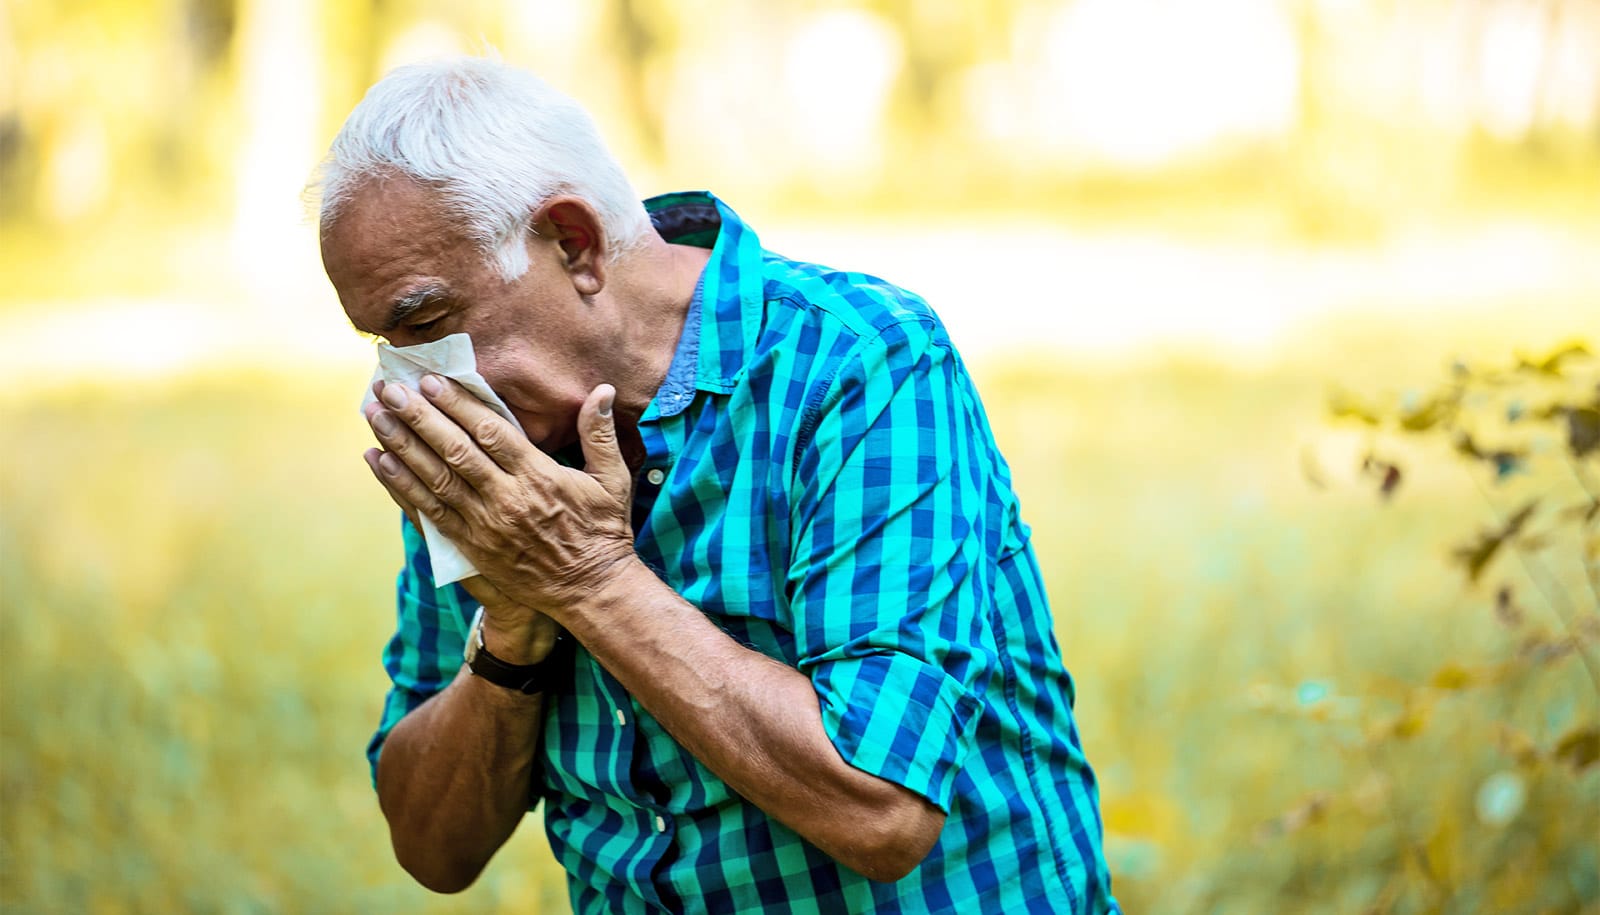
x: 822, y: 482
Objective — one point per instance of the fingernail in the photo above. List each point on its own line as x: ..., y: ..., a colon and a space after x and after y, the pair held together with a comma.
x: 388, y: 464
x: 394, y: 395
x: 605, y: 402
x: 431, y: 385
x: 384, y: 423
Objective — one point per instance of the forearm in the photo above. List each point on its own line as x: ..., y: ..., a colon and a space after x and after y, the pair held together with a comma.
x: 753, y: 721
x: 455, y: 777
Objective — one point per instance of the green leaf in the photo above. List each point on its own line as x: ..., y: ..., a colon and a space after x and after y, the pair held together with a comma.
x: 1584, y: 511
x: 1506, y: 609
x: 1466, y: 447
x: 1579, y: 747
x: 1541, y: 650
x: 1476, y: 556
x: 1504, y: 461
x: 1506, y: 464
x: 1551, y: 365
x: 1387, y: 472
x: 1517, y: 745
x: 1344, y: 405
x: 1583, y: 430
x: 1427, y: 415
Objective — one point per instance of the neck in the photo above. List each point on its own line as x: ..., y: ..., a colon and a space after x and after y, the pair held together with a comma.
x: 657, y: 284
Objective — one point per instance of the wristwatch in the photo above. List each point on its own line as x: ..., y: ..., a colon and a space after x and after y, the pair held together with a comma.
x: 525, y: 678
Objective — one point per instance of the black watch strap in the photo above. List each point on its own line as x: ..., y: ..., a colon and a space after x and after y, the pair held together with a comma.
x: 524, y: 678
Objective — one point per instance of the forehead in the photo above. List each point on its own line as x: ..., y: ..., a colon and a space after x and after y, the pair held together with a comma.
x: 385, y: 217
x: 388, y: 238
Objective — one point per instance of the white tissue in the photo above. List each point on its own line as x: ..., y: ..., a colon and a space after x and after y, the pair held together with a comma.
x: 451, y: 357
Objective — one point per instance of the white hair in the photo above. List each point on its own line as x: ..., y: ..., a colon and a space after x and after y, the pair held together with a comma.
x: 494, y: 141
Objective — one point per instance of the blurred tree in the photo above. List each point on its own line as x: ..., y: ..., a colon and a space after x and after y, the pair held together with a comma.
x: 643, y: 30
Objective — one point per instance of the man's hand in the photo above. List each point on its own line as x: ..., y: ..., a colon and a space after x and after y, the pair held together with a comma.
x: 541, y: 535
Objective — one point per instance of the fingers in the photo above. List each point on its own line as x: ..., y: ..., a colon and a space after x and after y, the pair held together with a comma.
x: 493, y: 434
x: 415, y: 461
x: 411, y: 495
x: 597, y: 429
x: 430, y: 443
x: 371, y: 456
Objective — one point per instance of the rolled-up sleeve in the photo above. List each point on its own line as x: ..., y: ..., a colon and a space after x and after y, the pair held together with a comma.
x: 888, y: 581
x: 424, y: 654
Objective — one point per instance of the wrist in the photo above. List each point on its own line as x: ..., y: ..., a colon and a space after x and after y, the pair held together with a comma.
x: 524, y: 641
x: 621, y: 585
x: 529, y: 678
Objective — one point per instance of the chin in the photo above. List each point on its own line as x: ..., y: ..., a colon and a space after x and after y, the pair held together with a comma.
x: 566, y: 452
x: 554, y: 444
x: 531, y: 426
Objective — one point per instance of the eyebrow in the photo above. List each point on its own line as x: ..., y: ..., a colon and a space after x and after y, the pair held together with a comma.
x: 413, y: 302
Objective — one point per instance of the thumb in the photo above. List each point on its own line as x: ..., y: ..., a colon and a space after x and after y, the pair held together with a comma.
x: 602, y: 457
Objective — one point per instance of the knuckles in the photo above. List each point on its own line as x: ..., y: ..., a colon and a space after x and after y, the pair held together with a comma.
x: 444, y: 484
x: 456, y: 453
x: 489, y: 433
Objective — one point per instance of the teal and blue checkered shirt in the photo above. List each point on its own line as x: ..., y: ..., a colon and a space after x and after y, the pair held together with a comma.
x: 822, y: 482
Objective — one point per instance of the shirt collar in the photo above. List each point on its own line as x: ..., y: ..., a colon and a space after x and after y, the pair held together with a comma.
x: 677, y: 390
x: 729, y: 299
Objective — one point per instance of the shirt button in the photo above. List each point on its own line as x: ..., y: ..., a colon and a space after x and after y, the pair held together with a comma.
x: 655, y: 476
x: 622, y: 720
x: 661, y: 824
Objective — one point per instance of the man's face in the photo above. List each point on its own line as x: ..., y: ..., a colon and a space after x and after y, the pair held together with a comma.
x: 405, y: 273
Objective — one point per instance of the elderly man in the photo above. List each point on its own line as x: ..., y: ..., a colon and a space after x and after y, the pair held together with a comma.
x: 760, y: 623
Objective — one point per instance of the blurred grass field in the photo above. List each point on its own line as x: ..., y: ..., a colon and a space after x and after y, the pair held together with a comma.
x: 196, y: 575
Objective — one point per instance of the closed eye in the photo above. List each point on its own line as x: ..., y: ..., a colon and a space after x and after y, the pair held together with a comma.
x: 430, y: 299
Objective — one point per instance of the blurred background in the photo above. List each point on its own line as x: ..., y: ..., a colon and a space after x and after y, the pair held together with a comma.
x: 1281, y: 311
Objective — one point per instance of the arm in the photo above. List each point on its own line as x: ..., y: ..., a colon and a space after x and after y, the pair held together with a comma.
x: 455, y: 772
x: 454, y: 779
x: 558, y: 540
x: 753, y: 721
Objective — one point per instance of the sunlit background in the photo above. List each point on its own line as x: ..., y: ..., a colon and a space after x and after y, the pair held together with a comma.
x: 1165, y: 235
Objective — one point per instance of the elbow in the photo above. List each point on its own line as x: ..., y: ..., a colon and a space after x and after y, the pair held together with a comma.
x: 424, y: 844
x: 899, y: 845
x: 431, y: 858
x: 889, y: 868
x: 435, y: 872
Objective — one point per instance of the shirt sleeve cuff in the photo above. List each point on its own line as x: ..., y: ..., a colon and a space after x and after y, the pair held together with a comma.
x: 899, y: 718
x: 399, y: 703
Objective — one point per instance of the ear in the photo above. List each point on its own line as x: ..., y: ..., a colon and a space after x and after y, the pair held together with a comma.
x: 574, y: 225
